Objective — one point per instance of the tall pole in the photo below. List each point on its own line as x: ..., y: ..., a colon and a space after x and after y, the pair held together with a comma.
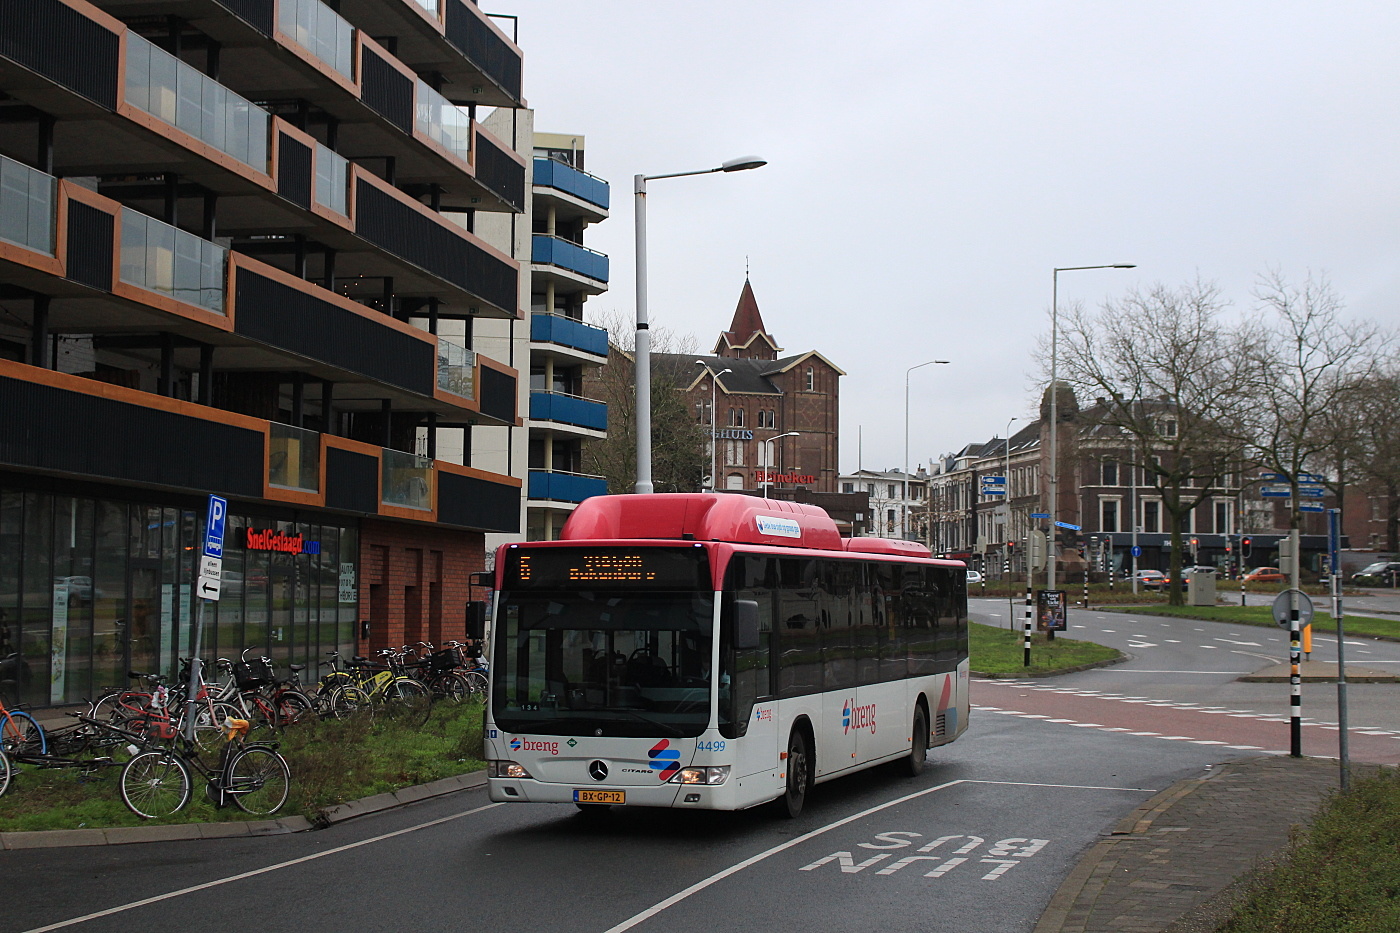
x: 763, y: 448
x: 904, y: 506
x: 1050, y: 549
x: 1006, y: 504
x: 714, y: 440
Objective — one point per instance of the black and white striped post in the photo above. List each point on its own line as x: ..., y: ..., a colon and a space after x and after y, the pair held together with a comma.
x: 1030, y: 600
x: 1295, y: 680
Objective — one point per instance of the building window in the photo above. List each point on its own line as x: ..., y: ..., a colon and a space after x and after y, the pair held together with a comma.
x: 848, y: 487
x: 1377, y: 512
x: 734, y: 481
x: 811, y: 379
x: 870, y: 489
x: 1222, y: 518
x: 890, y: 487
x: 1108, y: 515
x: 1110, y: 473
x: 1167, y: 427
x: 736, y: 417
x: 734, y: 453
x: 1151, y: 516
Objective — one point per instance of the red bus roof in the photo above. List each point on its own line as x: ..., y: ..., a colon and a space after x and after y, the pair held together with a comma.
x: 695, y: 516
x: 888, y: 546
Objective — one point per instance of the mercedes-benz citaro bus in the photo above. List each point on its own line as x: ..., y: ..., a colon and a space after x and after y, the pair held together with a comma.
x: 716, y: 651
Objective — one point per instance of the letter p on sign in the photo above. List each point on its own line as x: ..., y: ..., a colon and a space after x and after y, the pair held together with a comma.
x: 214, y: 533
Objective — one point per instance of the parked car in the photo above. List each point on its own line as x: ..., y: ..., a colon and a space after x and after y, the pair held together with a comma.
x: 1151, y: 579
x: 1381, y: 573
x: 974, y: 576
x: 1265, y: 575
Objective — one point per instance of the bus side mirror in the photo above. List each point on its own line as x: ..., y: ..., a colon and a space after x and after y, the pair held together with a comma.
x: 476, y: 619
x: 745, y: 625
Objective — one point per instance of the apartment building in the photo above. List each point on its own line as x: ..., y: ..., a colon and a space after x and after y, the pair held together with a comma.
x: 239, y: 254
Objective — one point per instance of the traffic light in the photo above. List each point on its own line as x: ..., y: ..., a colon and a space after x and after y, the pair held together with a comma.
x: 1244, y: 547
x: 1010, y: 545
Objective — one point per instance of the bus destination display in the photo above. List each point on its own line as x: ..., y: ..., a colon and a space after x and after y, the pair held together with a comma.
x: 621, y: 568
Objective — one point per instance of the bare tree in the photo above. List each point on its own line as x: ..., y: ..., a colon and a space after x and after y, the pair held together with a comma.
x: 679, y: 459
x: 1168, y: 377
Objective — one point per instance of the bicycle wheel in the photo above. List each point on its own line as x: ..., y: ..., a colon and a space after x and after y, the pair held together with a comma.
x: 258, y: 780
x: 262, y: 716
x: 21, y: 735
x: 5, y: 772
x: 209, y: 724
x: 408, y: 701
x: 155, y: 784
x: 346, y: 700
x: 294, y: 707
x: 477, y: 683
x: 451, y: 686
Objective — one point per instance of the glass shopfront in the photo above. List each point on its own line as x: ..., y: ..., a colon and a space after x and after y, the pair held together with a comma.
x: 91, y: 588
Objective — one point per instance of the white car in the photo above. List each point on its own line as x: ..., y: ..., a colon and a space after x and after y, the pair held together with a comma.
x: 974, y: 576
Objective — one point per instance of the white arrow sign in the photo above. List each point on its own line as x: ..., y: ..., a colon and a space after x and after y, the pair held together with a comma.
x: 211, y: 575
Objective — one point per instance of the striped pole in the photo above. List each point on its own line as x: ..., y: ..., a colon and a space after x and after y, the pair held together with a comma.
x: 1030, y: 605
x: 1086, y: 586
x: 1295, y: 679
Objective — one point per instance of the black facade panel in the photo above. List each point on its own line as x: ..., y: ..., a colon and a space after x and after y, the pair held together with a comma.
x: 386, y: 91
x: 90, y: 245
x: 48, y: 428
x: 63, y: 45
x: 275, y: 314
x: 408, y: 234
x: 294, y: 171
x: 497, y: 394
x: 478, y: 503
x: 352, y: 481
x: 483, y: 48
x: 256, y: 13
x: 500, y: 172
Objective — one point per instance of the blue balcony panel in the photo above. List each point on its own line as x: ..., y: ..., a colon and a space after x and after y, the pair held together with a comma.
x: 570, y: 180
x: 553, y: 251
x: 569, y: 409
x: 565, y: 487
x: 553, y: 328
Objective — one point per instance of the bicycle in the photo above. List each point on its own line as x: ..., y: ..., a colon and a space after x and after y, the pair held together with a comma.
x: 361, y: 686
x: 20, y: 731
x: 254, y: 776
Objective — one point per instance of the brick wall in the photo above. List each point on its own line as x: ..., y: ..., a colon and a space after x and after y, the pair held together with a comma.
x: 415, y: 582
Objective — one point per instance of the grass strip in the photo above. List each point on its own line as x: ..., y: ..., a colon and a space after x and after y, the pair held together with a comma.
x: 331, y: 762
x: 1340, y: 874
x: 1000, y: 651
x: 1263, y: 616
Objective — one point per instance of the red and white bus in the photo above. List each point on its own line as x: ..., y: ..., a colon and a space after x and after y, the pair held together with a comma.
x: 716, y: 652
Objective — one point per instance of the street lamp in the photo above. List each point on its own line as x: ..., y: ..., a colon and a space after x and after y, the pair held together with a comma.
x: 642, y: 363
x: 1055, y: 409
x: 763, y: 448
x: 714, y: 442
x: 1006, y: 503
x: 904, y: 506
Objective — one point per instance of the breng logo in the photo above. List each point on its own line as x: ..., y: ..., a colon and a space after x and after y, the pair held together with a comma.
x: 518, y: 744
x: 665, y: 759
x: 857, y: 717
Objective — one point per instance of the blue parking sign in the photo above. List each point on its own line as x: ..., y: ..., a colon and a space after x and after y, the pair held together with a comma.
x: 214, y: 527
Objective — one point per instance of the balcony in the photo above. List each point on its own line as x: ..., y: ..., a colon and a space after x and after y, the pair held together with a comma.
x: 567, y: 332
x: 166, y: 260
x: 443, y: 122
x: 556, y: 251
x: 559, y: 486
x: 332, y: 181
x: 569, y: 409
x: 550, y: 173
x: 27, y: 208
x: 187, y: 99
x: 321, y: 31
x: 407, y: 480
x: 456, y: 369
x: 293, y: 458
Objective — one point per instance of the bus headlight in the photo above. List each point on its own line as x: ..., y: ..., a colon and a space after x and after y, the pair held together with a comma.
x: 505, y: 769
x: 701, y: 775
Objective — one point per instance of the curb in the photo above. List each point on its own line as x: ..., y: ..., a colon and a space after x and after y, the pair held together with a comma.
x: 330, y: 816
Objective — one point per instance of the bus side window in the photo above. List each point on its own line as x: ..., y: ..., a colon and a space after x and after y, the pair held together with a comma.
x: 921, y: 619
x: 838, y: 637
x: 866, y: 633
x: 894, y: 664
x: 800, y: 664
x: 749, y: 671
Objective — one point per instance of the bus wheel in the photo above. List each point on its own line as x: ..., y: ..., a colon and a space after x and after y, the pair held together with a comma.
x: 914, y: 764
x: 799, y: 771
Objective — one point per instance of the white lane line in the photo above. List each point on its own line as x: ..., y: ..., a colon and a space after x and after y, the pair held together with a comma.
x: 1245, y: 748
x: 699, y: 886
x: 257, y: 871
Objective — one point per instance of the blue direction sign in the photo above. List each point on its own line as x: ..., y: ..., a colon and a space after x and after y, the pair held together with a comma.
x: 1310, y: 492
x: 1274, y: 492
x: 993, y: 480
x: 214, y: 534
x: 1137, y: 551
x: 1308, y: 507
x: 1040, y: 515
x: 1276, y: 477
x: 1067, y: 525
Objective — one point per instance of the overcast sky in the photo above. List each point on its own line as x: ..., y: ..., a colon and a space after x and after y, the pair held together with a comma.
x: 931, y: 162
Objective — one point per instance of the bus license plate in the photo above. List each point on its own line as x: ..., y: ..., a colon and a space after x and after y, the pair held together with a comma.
x: 600, y: 796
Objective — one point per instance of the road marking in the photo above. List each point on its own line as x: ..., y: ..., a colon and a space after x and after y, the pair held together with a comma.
x: 1141, y: 644
x: 734, y: 869
x: 257, y: 871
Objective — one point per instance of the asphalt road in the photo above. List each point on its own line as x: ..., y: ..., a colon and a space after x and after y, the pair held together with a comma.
x: 979, y: 842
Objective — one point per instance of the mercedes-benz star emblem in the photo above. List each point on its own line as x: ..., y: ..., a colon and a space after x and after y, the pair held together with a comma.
x: 597, y: 770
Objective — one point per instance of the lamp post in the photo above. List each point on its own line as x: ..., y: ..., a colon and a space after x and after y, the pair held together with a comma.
x: 904, y: 506
x: 642, y: 363
x: 763, y: 448
x: 1055, y: 409
x: 714, y: 443
x: 1006, y: 501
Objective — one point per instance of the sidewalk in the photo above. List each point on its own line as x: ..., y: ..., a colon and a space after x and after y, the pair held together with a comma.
x: 1159, y: 868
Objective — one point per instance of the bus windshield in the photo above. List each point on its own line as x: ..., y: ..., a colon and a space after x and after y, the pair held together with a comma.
x: 603, y: 662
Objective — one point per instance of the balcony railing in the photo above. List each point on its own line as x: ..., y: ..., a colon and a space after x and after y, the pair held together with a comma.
x: 456, y: 369
x: 321, y: 31
x: 161, y: 258
x: 554, y: 174
x: 556, y: 251
x: 408, y: 480
x: 444, y: 122
x: 430, y: 6
x: 168, y: 89
x: 565, y: 331
x: 332, y: 180
x: 294, y: 458
x: 569, y: 409
x: 565, y: 487
x: 27, y: 209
